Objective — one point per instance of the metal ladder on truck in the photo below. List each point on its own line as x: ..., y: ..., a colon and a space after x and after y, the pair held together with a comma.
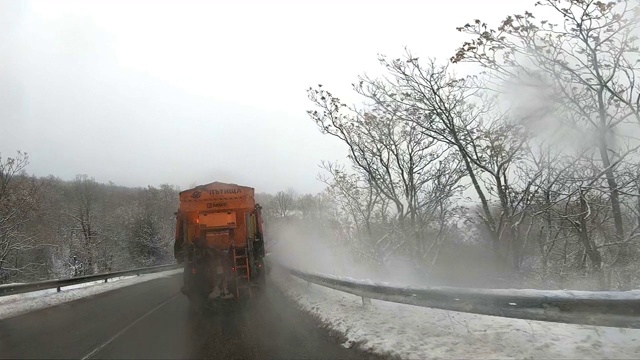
x: 242, y: 271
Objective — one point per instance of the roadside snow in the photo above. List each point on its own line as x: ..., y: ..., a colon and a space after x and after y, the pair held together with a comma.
x: 13, y: 305
x: 415, y: 332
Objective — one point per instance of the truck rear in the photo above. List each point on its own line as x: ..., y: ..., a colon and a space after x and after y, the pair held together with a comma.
x: 219, y: 238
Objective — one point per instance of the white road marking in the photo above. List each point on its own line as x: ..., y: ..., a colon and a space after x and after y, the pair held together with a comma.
x: 96, y: 350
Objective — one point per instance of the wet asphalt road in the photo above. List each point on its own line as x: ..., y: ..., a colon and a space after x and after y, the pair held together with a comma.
x: 153, y: 320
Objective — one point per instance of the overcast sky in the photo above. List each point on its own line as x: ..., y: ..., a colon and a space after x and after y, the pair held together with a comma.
x: 182, y: 92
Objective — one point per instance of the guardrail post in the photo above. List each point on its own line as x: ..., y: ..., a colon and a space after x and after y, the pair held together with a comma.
x: 366, y: 301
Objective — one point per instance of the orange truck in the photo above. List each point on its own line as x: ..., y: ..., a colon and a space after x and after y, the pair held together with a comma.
x: 220, y: 240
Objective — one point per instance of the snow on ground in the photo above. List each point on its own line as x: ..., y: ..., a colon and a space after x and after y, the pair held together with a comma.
x: 413, y: 332
x: 13, y: 305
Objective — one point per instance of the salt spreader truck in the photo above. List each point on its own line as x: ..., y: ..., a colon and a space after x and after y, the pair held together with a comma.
x: 220, y: 240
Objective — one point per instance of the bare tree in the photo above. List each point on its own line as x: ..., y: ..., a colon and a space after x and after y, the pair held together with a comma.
x: 283, y: 203
x: 456, y: 114
x: 590, y: 61
x: 405, y: 166
x: 19, y: 197
x: 84, y: 215
x: 365, y: 215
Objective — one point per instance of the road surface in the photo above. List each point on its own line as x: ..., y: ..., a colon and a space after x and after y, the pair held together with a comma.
x: 152, y: 320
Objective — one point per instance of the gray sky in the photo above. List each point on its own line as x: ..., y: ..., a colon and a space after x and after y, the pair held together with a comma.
x: 181, y: 92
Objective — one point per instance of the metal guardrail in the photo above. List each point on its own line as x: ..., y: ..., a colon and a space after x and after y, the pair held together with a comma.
x: 12, y: 289
x: 616, y: 309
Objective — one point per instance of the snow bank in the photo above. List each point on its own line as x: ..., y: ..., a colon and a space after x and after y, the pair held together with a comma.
x: 415, y: 332
x: 13, y: 305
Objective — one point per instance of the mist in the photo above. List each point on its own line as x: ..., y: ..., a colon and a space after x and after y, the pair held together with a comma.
x: 146, y: 93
